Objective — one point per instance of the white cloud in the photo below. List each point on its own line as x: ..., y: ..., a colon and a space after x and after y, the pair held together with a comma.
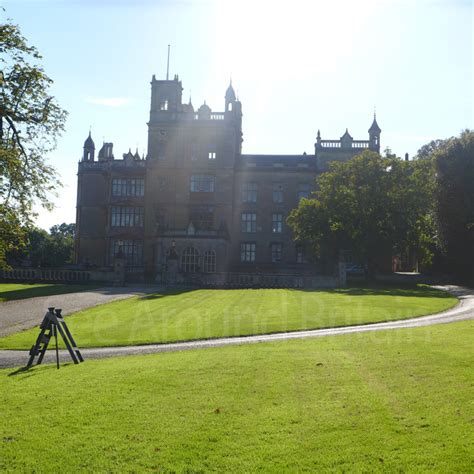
x: 109, y: 101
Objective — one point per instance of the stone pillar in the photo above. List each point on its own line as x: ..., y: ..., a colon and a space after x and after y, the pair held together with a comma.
x: 119, y: 271
x: 342, y: 274
x: 172, y: 265
x: 172, y: 272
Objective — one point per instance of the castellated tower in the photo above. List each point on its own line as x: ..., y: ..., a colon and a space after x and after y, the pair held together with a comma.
x: 195, y: 210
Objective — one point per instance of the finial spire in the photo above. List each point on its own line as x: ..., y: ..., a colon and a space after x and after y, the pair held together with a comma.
x: 375, y: 126
x: 230, y: 95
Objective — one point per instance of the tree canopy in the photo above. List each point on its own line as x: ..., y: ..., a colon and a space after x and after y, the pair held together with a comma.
x: 371, y: 206
x: 43, y: 249
x: 30, y: 123
x: 454, y: 161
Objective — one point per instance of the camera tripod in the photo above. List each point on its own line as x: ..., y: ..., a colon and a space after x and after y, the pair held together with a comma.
x: 53, y: 323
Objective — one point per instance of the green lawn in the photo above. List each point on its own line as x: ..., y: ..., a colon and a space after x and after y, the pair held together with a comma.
x: 165, y: 317
x: 391, y: 401
x: 18, y: 291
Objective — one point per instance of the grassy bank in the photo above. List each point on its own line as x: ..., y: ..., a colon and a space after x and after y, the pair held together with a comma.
x: 389, y: 401
x: 186, y: 315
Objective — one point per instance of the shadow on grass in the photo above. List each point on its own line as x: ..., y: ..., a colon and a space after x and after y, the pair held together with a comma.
x: 35, y: 370
x: 375, y: 289
x: 51, y: 290
x: 164, y: 293
x: 381, y: 289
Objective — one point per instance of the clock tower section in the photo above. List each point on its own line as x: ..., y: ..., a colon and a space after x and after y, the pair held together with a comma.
x: 165, y: 110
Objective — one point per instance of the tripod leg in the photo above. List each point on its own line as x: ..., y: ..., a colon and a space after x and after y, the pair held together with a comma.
x: 46, y: 343
x: 35, y: 349
x: 68, y: 345
x: 73, y: 342
x: 57, y: 350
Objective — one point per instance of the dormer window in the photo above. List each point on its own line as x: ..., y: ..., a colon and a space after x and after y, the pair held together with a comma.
x: 164, y: 105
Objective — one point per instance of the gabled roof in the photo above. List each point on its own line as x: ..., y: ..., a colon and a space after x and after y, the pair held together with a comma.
x: 346, y: 135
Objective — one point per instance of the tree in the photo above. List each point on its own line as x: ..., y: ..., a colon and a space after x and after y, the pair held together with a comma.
x: 64, y: 230
x: 426, y: 151
x: 59, y: 247
x: 30, y: 123
x: 372, y: 206
x: 55, y: 249
x: 455, y: 202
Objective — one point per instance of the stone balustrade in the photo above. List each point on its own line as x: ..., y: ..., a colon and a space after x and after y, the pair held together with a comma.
x: 213, y: 116
x: 250, y: 280
x: 52, y: 275
x: 46, y: 274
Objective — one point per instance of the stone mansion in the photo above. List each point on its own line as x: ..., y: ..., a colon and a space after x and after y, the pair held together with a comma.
x: 196, y: 207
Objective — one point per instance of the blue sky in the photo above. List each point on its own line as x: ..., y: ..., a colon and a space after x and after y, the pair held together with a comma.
x: 296, y: 66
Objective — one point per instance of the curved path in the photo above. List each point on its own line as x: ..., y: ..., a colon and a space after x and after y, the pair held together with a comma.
x: 17, y: 315
x: 463, y: 311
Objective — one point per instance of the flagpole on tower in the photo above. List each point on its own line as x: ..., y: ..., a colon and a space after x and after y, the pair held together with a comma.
x: 168, y: 64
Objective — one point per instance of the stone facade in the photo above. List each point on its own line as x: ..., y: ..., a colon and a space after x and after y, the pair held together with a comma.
x: 195, y: 205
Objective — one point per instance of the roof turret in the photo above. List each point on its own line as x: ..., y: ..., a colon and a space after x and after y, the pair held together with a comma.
x: 204, y: 112
x: 129, y: 155
x: 375, y: 126
x: 204, y: 108
x: 189, y: 107
x: 102, y: 151
x: 230, y: 93
x: 89, y: 143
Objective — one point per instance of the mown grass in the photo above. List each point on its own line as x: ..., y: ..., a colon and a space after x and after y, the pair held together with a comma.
x: 17, y: 291
x: 198, y: 314
x: 391, y: 401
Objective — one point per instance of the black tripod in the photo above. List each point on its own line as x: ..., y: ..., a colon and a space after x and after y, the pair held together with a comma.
x: 52, y: 323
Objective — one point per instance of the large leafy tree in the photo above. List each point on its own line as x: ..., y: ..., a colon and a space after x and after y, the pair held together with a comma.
x: 66, y: 231
x: 30, y: 123
x: 371, y: 206
x: 454, y: 160
x: 43, y: 249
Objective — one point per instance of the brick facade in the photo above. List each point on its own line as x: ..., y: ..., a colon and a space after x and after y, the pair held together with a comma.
x: 195, y: 204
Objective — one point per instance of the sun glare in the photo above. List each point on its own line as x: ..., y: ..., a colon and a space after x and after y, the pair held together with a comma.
x: 287, y: 38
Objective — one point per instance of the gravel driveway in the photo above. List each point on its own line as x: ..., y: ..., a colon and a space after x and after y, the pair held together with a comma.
x: 463, y: 311
x: 18, y: 315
